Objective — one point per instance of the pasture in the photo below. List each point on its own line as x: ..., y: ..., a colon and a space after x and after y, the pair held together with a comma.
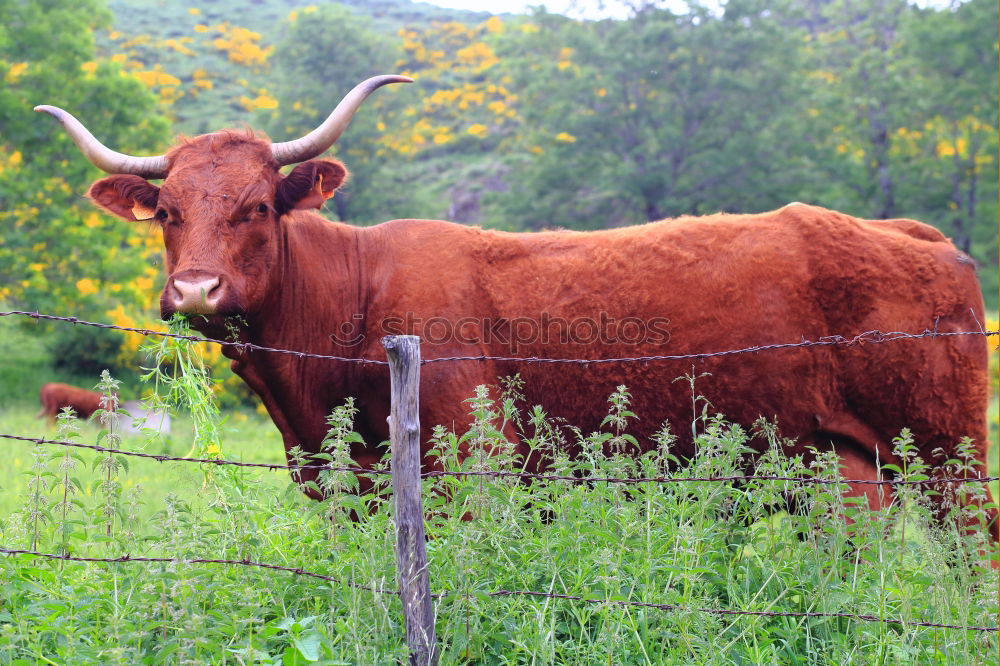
x: 547, y: 543
x: 547, y: 572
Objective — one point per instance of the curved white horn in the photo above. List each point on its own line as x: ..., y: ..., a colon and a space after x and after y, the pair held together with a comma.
x: 320, y: 139
x: 100, y: 155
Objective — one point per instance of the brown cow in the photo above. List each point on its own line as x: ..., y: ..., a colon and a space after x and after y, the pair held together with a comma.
x: 239, y: 241
x: 54, y: 396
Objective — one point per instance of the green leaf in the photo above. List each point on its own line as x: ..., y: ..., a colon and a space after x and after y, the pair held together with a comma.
x: 308, y: 645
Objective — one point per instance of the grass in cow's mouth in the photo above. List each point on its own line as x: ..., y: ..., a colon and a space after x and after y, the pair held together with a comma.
x: 760, y: 545
x: 181, y: 382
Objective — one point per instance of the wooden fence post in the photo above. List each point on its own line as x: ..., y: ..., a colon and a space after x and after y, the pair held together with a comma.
x: 403, y: 352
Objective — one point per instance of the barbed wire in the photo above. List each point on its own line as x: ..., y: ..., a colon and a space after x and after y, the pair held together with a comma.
x: 193, y: 338
x: 726, y: 611
x: 713, y: 479
x: 873, y: 337
x: 159, y: 457
x: 124, y: 559
x: 196, y: 560
x: 868, y: 337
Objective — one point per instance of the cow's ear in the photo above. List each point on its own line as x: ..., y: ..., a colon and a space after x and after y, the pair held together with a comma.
x: 309, y: 185
x: 128, y: 197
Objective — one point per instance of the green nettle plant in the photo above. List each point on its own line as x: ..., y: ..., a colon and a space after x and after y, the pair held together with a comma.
x: 68, y: 485
x: 36, y: 508
x: 334, y: 481
x: 181, y: 381
x: 109, y: 465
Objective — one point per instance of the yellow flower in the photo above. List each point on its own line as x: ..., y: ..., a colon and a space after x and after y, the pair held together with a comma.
x: 201, y: 27
x: 38, y: 267
x: 478, y: 130
x: 262, y: 101
x: 92, y: 220
x: 147, y: 77
x: 15, y: 71
x: 194, y: 11
x: 86, y: 286
x: 947, y: 149
x: 14, y: 159
x: 89, y: 67
x: 565, y: 137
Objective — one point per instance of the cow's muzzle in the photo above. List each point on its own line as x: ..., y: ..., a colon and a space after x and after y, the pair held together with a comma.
x: 195, y: 292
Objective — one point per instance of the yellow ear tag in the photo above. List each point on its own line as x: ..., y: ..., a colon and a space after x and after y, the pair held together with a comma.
x: 141, y: 212
x: 319, y: 189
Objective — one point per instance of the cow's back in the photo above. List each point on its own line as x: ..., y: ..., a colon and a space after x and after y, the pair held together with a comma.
x: 719, y: 283
x: 55, y: 395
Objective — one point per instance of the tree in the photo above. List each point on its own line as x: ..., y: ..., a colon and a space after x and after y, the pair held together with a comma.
x: 325, y: 52
x: 952, y: 152
x: 421, y: 150
x: 56, y: 249
x: 57, y: 253
x: 903, y: 106
x: 657, y: 116
x: 860, y: 89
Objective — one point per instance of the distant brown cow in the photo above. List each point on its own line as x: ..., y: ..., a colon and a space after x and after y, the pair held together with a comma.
x: 239, y: 241
x: 55, y: 396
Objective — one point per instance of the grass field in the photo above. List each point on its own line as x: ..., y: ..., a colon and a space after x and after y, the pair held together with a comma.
x: 700, y: 547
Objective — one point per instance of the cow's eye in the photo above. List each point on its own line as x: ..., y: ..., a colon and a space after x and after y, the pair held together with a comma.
x: 161, y: 215
x: 262, y: 208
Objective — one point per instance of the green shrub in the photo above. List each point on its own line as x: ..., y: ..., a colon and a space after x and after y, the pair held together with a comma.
x: 86, y: 350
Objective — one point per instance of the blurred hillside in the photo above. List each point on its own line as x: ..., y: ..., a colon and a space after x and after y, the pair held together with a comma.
x: 876, y: 108
x: 210, y: 57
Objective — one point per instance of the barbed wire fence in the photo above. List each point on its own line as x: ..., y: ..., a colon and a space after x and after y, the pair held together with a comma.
x: 499, y: 474
x: 420, y: 625
x: 866, y: 337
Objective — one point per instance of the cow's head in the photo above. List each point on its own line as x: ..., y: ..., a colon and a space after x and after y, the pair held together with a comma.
x: 221, y: 203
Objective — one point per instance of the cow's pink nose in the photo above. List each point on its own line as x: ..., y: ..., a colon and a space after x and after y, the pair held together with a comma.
x: 196, y: 296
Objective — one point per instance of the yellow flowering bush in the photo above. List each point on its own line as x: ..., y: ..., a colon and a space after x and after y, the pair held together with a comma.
x: 453, y: 63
